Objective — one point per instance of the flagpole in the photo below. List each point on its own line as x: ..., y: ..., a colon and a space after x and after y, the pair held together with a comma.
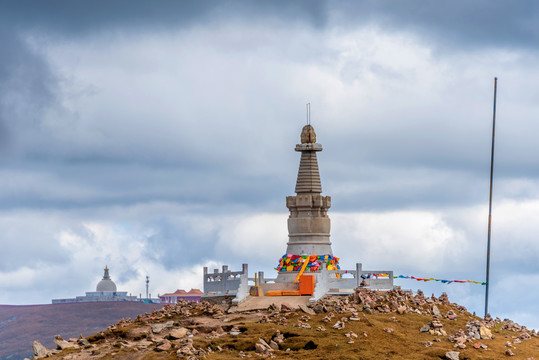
x: 490, y: 197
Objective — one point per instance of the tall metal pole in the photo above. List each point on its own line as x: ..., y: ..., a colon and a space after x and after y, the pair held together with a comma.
x: 490, y: 197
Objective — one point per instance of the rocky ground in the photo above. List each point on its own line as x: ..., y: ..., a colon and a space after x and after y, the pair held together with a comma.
x: 367, y: 325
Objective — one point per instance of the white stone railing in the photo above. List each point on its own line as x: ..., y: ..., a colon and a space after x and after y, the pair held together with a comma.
x: 226, y: 282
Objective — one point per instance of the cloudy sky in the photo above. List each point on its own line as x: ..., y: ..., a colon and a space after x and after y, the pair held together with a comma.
x: 157, y: 138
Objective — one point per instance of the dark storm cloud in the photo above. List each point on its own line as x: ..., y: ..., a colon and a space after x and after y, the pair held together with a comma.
x: 27, y: 86
x: 70, y: 17
x: 454, y: 23
x: 481, y: 23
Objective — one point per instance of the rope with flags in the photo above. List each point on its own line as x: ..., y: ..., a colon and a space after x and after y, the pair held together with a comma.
x: 440, y: 280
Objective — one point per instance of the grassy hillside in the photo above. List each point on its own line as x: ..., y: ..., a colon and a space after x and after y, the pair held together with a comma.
x: 367, y: 325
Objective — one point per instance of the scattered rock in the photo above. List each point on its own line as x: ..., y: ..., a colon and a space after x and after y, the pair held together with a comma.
x: 436, y: 311
x: 39, y: 350
x: 319, y: 308
x: 485, y: 333
x: 285, y: 307
x: 508, y: 352
x: 61, y: 344
x: 307, y: 310
x: 157, y: 328
x: 451, y: 315
x: 83, y: 342
x: 164, y: 346
x: 178, y: 333
x: 452, y: 355
x: 274, y: 345
x: 263, y: 347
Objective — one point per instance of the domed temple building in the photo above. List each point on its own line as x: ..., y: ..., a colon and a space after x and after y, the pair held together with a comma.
x: 104, y: 291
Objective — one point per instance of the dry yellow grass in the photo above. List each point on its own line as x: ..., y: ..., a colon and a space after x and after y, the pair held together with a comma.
x: 406, y: 342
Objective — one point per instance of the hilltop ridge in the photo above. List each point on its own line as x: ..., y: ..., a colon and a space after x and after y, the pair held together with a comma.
x: 366, y: 325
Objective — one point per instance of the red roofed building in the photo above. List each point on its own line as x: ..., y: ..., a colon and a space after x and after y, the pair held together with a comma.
x: 172, y: 298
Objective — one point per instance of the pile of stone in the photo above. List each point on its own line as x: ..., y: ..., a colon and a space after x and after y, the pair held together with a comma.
x: 303, y: 325
x: 275, y: 343
x: 434, y: 327
x: 351, y: 336
x: 188, y: 351
x: 397, y: 300
x: 479, y: 330
x: 451, y: 315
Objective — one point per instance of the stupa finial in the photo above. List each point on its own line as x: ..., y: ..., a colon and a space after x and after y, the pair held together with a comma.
x: 308, y: 136
x: 106, y: 275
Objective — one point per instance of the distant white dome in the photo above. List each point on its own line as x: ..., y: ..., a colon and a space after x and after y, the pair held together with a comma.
x: 106, y: 284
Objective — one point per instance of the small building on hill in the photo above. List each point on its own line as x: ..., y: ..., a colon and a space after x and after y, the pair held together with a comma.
x: 172, y: 298
x: 105, y: 291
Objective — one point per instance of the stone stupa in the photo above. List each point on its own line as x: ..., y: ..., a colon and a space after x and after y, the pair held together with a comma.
x: 308, y: 224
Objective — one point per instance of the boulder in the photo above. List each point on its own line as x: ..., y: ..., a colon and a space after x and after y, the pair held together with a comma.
x: 286, y: 307
x: 259, y: 348
x: 164, y: 346
x: 157, y: 328
x: 485, y: 333
x: 83, y: 342
x: 39, y: 350
x: 263, y: 347
x: 307, y: 310
x: 452, y: 355
x: 178, y: 333
x: 61, y: 344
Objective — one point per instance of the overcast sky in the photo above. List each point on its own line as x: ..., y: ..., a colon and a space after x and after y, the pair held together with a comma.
x: 158, y: 137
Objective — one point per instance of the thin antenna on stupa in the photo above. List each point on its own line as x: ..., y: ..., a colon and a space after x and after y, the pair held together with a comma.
x: 147, y: 285
x: 490, y: 196
x: 308, y: 113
